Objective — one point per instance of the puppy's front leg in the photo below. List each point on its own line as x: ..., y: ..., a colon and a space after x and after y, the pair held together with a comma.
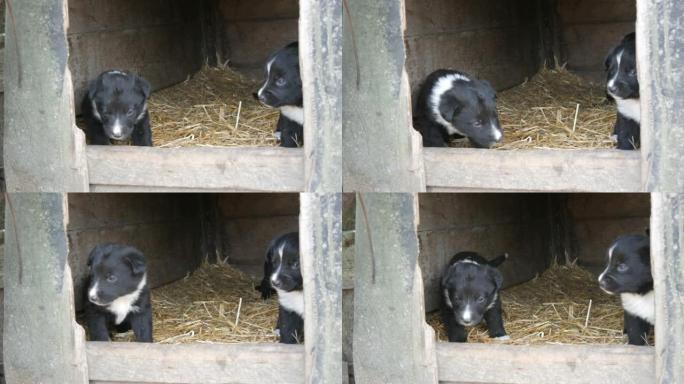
x: 291, y: 327
x: 455, y: 331
x: 494, y: 321
x: 636, y: 329
x: 97, y: 327
x: 141, y: 323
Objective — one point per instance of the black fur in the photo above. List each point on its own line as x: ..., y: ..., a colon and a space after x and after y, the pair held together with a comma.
x: 469, y: 105
x: 624, y: 88
x: 117, y: 95
x: 628, y: 271
x: 117, y: 270
x: 470, y: 280
x: 283, y: 274
x: 283, y: 88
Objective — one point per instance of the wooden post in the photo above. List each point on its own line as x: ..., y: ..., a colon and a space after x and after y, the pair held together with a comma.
x: 392, y: 342
x: 320, y: 44
x: 660, y: 55
x: 667, y: 243
x: 382, y: 152
x: 321, y: 247
x: 43, y: 149
x: 42, y: 342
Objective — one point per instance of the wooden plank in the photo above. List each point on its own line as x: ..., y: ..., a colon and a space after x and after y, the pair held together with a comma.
x: 320, y: 52
x: 42, y: 342
x: 533, y: 170
x: 202, y: 169
x: 43, y: 149
x: 321, y: 248
x: 195, y: 363
x: 382, y: 153
x: 667, y: 242
x: 660, y: 49
x: 392, y: 342
x: 568, y: 364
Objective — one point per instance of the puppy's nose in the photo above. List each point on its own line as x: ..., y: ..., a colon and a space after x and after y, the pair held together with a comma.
x: 612, y: 88
x: 92, y: 296
x: 275, y: 283
x: 255, y: 95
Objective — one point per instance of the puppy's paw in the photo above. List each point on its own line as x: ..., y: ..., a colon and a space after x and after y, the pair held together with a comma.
x: 501, y: 338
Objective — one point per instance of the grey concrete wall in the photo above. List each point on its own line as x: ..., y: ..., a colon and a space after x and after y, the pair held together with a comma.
x: 492, y: 39
x: 490, y: 224
x: 165, y: 227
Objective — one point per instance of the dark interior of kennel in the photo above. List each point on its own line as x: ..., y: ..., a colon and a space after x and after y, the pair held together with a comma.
x: 507, y: 42
x: 177, y: 232
x: 536, y: 230
x: 166, y: 41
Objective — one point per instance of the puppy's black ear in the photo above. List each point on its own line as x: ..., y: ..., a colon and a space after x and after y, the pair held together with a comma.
x: 144, y: 86
x: 648, y: 232
x: 96, y: 253
x: 265, y: 286
x: 489, y: 90
x: 92, y: 87
x: 609, y: 57
x: 136, y: 260
x: 496, y: 276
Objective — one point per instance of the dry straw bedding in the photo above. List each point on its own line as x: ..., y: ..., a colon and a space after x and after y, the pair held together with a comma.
x: 562, y: 306
x: 216, y: 303
x: 214, y: 107
x: 554, y: 109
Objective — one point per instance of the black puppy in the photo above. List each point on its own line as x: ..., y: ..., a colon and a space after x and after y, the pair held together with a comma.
x: 282, y: 273
x: 283, y: 89
x: 628, y: 274
x: 451, y: 103
x: 115, y: 107
x: 623, y: 86
x: 118, y: 295
x: 470, y: 292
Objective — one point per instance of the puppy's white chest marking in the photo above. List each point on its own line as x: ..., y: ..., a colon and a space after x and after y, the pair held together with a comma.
x: 292, y: 301
x: 642, y: 306
x: 123, y: 305
x: 442, y: 86
x: 630, y: 108
x: 293, y: 113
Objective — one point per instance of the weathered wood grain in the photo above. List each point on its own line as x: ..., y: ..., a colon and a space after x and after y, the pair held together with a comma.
x: 568, y: 364
x: 42, y: 342
x: 320, y: 235
x: 320, y: 52
x: 202, y: 169
x: 667, y: 242
x: 43, y: 149
x: 533, y: 170
x: 195, y: 363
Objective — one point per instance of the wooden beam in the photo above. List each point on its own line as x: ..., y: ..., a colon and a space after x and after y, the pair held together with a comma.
x: 449, y: 169
x: 660, y: 49
x: 120, y: 168
x: 667, y: 242
x: 194, y: 363
x: 321, y: 246
x: 42, y: 342
x: 392, y: 342
x: 568, y: 364
x: 320, y: 45
x: 381, y: 149
x: 43, y: 149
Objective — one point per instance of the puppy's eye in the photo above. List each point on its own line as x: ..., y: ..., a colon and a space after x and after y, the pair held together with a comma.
x: 130, y: 112
x: 280, y: 82
x: 111, y: 278
x: 622, y: 267
x: 481, y: 299
x: 633, y: 73
x: 477, y: 123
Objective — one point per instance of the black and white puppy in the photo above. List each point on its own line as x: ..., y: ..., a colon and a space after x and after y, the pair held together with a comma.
x: 118, y: 295
x: 452, y: 103
x: 283, y: 89
x: 282, y: 273
x: 628, y: 274
x: 623, y: 86
x: 115, y: 108
x: 470, y: 292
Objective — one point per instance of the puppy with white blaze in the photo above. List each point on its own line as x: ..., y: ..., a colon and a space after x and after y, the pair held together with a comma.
x: 628, y: 274
x: 454, y: 104
x: 282, y: 274
x: 115, y: 108
x: 622, y: 84
x: 282, y: 89
x: 118, y: 295
x: 470, y: 293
